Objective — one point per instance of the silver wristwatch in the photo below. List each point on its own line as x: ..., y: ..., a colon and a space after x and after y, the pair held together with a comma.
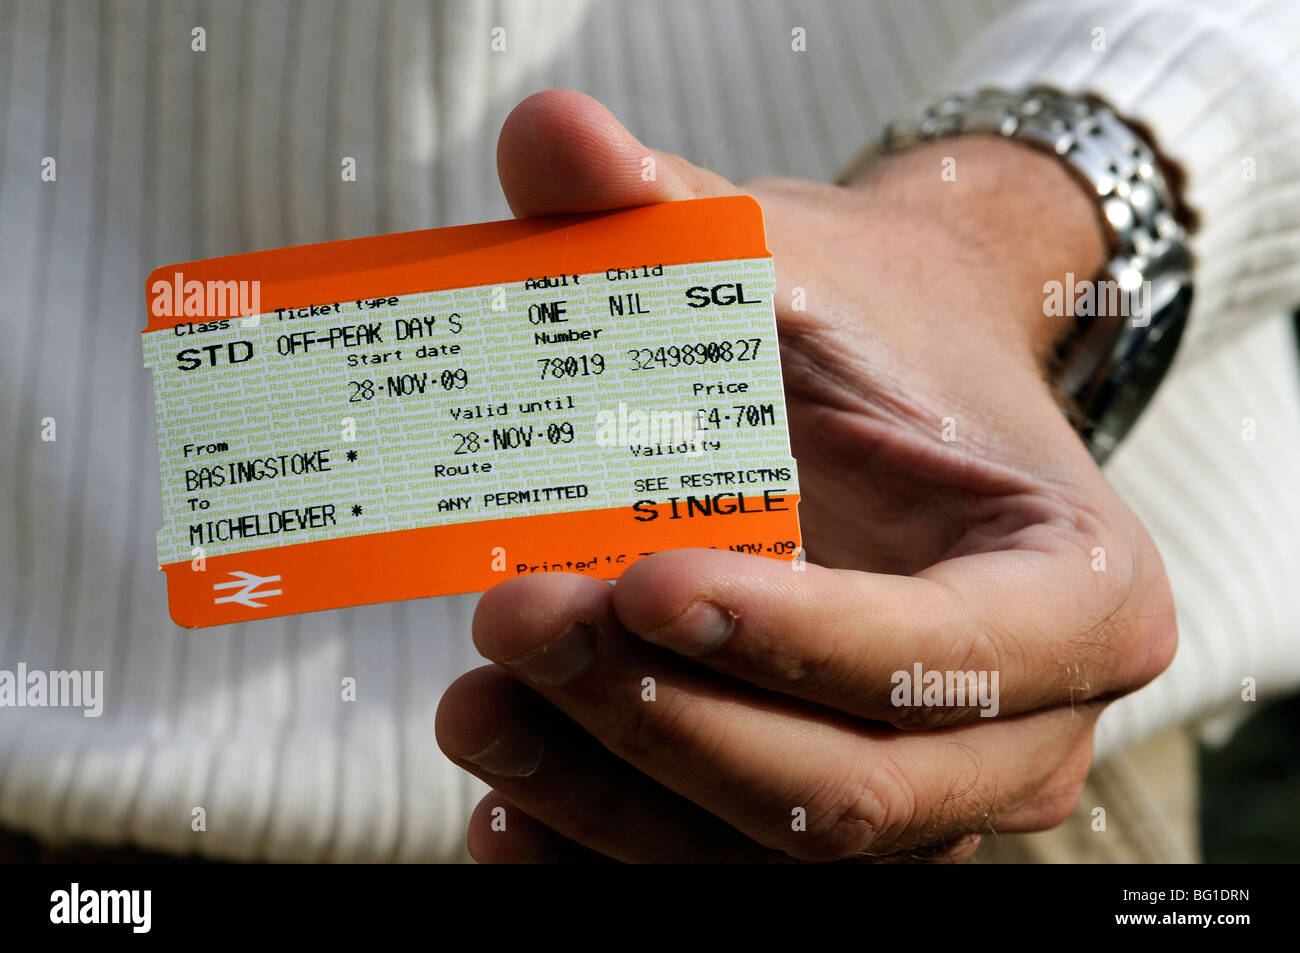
x: 1129, y: 319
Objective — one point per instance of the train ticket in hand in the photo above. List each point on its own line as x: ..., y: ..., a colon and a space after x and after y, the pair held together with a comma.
x: 433, y: 412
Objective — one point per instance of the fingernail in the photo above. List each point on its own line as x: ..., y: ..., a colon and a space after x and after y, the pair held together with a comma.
x: 514, y: 753
x: 559, y: 659
x: 697, y: 631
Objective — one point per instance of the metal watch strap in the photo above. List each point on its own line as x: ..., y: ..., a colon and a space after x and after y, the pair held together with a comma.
x: 1110, y: 366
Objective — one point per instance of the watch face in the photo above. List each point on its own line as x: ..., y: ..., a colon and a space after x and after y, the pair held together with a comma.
x: 1136, y: 375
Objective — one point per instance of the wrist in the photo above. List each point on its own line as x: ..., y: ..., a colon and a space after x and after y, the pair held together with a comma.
x: 1017, y: 207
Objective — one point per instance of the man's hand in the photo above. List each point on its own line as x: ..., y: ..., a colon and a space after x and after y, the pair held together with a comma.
x: 951, y: 518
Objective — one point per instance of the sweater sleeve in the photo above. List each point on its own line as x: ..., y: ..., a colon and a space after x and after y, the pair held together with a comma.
x: 1218, y: 87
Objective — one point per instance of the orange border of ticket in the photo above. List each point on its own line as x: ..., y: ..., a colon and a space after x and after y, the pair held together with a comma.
x: 491, y: 253
x: 459, y: 557
x: 452, y: 558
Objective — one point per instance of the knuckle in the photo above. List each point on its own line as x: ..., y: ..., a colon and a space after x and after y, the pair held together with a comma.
x: 777, y: 662
x: 588, y: 814
x: 1159, y: 639
x: 1058, y: 798
x: 874, y: 808
x: 661, y: 738
x: 961, y: 850
x: 980, y: 647
x: 969, y: 653
x: 923, y: 717
x: 1142, y: 644
x: 1140, y: 635
x: 1057, y: 808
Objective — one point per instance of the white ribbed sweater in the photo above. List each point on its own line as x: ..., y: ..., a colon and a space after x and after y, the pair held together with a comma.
x: 166, y: 155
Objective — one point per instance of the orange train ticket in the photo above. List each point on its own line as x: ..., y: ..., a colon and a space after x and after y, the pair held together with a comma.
x: 433, y: 412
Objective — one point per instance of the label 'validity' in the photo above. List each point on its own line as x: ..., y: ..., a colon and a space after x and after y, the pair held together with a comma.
x: 433, y: 412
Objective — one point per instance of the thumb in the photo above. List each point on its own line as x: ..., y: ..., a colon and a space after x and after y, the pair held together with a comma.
x: 562, y: 151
